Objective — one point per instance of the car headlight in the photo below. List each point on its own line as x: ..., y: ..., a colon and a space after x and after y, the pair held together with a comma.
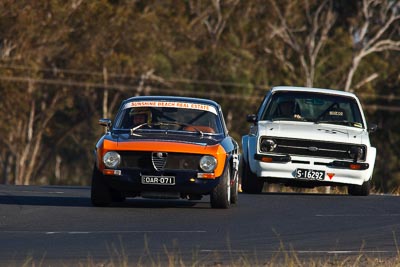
x: 356, y: 153
x: 111, y: 159
x: 267, y: 145
x: 208, y: 163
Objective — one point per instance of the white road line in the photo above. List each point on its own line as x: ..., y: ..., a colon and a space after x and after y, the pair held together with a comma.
x: 70, y: 233
x: 357, y: 215
x: 343, y: 251
x: 301, y: 251
x: 36, y: 192
x: 100, y: 232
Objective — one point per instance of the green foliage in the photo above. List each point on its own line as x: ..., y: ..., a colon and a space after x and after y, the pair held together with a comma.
x: 58, y: 57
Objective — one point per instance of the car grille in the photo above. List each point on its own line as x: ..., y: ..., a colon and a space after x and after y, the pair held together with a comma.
x: 159, y: 160
x: 312, y: 148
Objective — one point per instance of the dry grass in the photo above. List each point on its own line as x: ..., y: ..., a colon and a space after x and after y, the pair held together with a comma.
x: 172, y: 257
x: 293, y: 261
x: 396, y: 191
x: 287, y: 259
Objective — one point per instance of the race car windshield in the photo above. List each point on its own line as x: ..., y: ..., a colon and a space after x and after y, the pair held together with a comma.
x: 169, y: 118
x: 314, y: 107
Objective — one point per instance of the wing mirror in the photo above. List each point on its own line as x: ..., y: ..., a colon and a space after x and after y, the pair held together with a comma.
x: 372, y: 127
x: 251, y: 118
x: 106, y: 123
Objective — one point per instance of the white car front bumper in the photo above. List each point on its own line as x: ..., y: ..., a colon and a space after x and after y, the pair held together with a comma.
x: 333, y: 174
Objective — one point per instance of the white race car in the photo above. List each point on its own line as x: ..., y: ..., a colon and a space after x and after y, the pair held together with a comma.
x: 307, y: 137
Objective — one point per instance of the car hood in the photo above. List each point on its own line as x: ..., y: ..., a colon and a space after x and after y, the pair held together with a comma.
x: 196, y: 139
x: 313, y: 131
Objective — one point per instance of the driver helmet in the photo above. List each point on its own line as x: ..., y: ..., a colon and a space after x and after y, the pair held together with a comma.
x: 140, y: 115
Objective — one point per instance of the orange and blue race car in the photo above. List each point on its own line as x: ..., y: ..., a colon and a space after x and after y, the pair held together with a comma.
x: 166, y: 147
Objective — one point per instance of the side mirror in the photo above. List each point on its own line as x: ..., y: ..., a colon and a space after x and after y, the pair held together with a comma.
x: 105, y: 122
x: 251, y: 118
x: 372, y: 127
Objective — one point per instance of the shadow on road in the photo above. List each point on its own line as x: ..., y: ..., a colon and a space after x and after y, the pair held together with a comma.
x: 158, y: 203
x: 304, y: 194
x: 63, y: 201
x: 45, y: 201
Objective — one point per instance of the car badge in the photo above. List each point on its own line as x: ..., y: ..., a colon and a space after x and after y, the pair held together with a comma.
x: 159, y: 159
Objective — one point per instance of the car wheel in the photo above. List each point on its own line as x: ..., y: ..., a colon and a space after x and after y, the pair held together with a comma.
x: 221, y: 195
x: 251, y: 184
x: 360, y: 190
x: 235, y: 191
x: 117, y: 196
x: 100, y: 193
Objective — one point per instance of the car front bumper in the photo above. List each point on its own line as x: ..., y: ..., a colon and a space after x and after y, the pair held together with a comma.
x: 284, y: 168
x: 185, y: 182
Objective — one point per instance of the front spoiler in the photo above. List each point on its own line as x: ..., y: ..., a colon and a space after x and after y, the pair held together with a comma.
x: 186, y: 182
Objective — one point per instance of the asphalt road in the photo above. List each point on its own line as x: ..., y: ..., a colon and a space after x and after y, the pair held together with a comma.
x: 57, y: 225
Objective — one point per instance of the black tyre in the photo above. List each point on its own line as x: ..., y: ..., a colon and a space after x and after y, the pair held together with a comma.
x: 251, y: 184
x: 360, y: 190
x: 117, y: 196
x: 235, y: 190
x: 100, y: 193
x: 220, y: 197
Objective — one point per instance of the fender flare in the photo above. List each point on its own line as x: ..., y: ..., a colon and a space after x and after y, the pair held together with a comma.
x: 245, y: 148
x: 233, y: 160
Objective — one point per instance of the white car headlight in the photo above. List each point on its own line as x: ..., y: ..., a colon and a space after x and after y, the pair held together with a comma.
x: 267, y: 145
x: 356, y: 153
x: 111, y: 159
x: 208, y: 163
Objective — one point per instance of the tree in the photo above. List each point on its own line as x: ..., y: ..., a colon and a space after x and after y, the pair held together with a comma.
x: 376, y: 29
x: 303, y: 33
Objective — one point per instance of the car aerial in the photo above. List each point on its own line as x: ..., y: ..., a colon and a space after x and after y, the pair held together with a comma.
x: 166, y: 147
x: 308, y: 137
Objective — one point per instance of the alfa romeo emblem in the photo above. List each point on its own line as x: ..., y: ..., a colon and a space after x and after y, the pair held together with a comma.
x: 159, y: 159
